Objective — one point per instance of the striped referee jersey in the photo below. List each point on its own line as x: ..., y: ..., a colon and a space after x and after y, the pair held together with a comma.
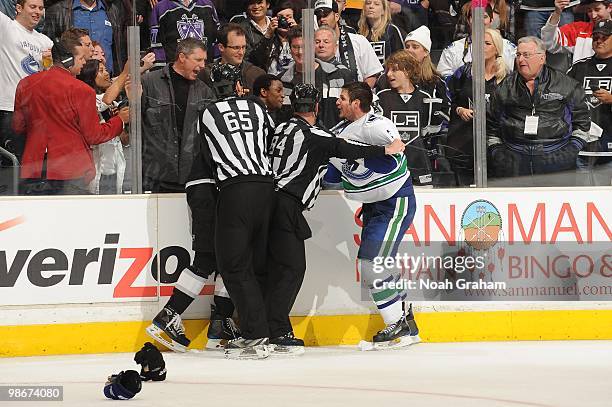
x: 300, y: 154
x: 236, y: 131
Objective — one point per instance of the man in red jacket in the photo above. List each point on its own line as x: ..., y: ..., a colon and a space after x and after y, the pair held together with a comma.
x: 57, y: 114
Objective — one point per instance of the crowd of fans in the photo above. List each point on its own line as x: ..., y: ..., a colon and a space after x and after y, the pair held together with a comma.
x: 548, y: 73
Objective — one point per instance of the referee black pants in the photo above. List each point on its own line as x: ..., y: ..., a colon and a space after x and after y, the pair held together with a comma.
x: 286, y: 261
x: 241, y: 242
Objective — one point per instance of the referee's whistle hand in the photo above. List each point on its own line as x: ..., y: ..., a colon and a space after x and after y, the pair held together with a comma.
x: 396, y: 147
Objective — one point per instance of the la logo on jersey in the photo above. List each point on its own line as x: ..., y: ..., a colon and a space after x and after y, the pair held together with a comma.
x: 600, y: 67
x: 408, y: 123
x: 601, y: 82
x: 190, y: 27
x: 379, y: 50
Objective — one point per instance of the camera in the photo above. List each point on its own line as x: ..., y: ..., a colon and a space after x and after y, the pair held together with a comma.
x: 123, y: 103
x: 283, y: 23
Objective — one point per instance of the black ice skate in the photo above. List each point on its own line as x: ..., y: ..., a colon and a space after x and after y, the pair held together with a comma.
x: 398, y: 334
x: 286, y: 345
x: 167, y: 329
x: 220, y: 330
x: 242, y: 348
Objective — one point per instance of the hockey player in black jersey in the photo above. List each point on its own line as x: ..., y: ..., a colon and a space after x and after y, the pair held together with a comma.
x: 300, y: 152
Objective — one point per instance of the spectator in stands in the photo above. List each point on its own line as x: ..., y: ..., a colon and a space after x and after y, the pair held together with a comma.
x: 418, y: 8
x: 595, y: 75
x: 107, y: 19
x: 57, y: 114
x: 255, y: 23
x: 330, y: 76
x: 420, y: 116
x: 86, y: 42
x: 575, y: 38
x: 354, y: 50
x: 460, y: 52
x: 109, y: 159
x: 173, y: 21
x: 269, y: 89
x: 273, y: 53
x: 343, y: 22
x: 232, y: 45
x: 538, y: 119
x: 538, y: 11
x: 22, y: 50
x: 502, y: 19
x: 171, y: 99
x: 460, y: 132
x: 98, y: 52
x: 375, y: 24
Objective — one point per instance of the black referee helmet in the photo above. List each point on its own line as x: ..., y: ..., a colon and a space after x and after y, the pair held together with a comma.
x: 304, y: 97
x: 224, y: 78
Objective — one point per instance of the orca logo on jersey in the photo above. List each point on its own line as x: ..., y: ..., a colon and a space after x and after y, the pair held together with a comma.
x: 29, y: 65
x: 190, y: 27
x: 408, y: 123
x: 354, y: 170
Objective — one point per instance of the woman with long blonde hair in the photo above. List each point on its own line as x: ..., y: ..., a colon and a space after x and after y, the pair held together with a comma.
x: 375, y: 24
x: 460, y: 140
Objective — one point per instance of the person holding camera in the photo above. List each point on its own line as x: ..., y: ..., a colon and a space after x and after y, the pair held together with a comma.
x: 109, y: 158
x: 273, y: 53
x: 57, y: 114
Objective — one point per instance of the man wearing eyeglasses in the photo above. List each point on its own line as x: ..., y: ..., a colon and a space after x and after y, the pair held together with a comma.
x: 354, y: 50
x: 232, y: 46
x: 538, y: 120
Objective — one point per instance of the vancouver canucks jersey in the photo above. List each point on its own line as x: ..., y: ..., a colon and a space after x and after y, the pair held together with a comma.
x: 372, y: 179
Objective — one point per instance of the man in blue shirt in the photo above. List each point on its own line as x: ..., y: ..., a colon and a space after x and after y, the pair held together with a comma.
x: 91, y: 15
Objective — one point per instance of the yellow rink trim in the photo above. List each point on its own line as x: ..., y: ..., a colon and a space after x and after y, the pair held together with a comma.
x: 103, y: 337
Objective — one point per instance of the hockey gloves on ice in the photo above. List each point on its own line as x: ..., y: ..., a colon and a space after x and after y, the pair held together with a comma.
x: 152, y: 362
x: 123, y: 386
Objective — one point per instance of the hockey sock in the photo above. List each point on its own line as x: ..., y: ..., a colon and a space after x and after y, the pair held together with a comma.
x: 188, y: 286
x: 223, y: 302
x: 388, y: 300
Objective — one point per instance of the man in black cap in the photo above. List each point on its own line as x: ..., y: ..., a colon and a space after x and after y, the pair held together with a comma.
x: 595, y: 75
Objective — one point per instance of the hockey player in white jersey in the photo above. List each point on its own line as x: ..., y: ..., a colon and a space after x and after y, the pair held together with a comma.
x: 384, y: 186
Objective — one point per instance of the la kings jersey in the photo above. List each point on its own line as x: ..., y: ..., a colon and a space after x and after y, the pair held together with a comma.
x: 300, y: 154
x: 595, y: 73
x: 374, y: 179
x: 172, y: 22
x: 236, y: 131
x: 417, y: 116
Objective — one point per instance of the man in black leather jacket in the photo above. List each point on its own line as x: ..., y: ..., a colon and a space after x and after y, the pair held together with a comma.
x: 538, y: 119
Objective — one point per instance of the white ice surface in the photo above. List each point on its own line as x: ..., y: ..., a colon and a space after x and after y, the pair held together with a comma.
x: 572, y: 374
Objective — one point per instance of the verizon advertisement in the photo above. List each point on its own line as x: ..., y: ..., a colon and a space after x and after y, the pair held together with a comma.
x: 101, y: 250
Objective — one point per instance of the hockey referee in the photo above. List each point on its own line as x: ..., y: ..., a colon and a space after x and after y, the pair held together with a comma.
x: 236, y: 132
x: 300, y: 152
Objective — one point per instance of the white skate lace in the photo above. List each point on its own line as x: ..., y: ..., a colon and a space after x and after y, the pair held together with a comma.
x: 176, y: 324
x: 232, y: 326
x: 389, y: 328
